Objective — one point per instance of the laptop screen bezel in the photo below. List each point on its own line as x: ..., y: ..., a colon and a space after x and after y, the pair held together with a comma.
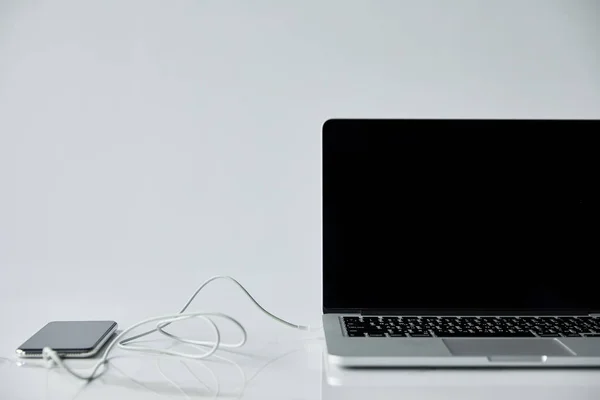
x: 332, y: 130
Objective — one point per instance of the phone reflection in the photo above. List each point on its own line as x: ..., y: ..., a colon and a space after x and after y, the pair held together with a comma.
x: 266, y: 369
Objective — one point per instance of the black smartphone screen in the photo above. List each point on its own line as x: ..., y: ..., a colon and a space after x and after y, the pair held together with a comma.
x: 69, y: 337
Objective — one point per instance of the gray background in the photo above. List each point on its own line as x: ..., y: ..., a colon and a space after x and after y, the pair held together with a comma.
x: 147, y: 145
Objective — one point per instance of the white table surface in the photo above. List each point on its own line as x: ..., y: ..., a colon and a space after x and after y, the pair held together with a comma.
x: 146, y: 145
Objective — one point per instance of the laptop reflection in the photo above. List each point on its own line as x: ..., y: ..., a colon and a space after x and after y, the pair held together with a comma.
x: 407, y: 384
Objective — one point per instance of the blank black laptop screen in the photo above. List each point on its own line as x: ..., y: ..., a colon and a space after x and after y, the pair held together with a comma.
x: 461, y: 216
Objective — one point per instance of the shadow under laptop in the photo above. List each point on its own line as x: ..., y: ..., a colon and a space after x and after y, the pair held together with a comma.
x: 391, y: 383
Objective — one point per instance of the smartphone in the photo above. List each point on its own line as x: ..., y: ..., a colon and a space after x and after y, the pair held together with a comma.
x: 70, y: 339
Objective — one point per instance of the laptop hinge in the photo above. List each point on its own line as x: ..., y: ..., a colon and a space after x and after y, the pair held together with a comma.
x: 449, y: 312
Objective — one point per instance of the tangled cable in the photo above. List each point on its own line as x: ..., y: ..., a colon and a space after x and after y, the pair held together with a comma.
x: 162, y: 322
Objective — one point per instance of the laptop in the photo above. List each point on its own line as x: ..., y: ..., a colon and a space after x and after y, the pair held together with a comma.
x: 461, y: 243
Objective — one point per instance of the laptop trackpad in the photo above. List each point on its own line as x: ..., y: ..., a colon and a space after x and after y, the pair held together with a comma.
x: 507, y: 347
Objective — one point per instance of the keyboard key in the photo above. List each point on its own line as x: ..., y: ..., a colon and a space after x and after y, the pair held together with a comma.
x: 481, y: 334
x: 356, y: 334
x: 373, y: 320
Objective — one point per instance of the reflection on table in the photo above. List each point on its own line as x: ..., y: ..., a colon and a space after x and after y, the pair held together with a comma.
x: 350, y: 384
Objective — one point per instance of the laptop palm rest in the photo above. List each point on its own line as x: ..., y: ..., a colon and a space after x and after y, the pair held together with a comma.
x: 508, y: 349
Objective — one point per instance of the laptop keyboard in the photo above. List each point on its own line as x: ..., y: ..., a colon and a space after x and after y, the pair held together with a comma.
x: 447, y: 327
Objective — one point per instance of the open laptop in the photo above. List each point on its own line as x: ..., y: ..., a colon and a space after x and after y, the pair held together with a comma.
x: 461, y: 243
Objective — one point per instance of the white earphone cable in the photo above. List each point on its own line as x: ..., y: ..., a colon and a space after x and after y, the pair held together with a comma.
x: 161, y: 323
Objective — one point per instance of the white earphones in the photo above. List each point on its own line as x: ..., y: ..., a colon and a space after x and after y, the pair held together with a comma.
x: 162, y: 322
